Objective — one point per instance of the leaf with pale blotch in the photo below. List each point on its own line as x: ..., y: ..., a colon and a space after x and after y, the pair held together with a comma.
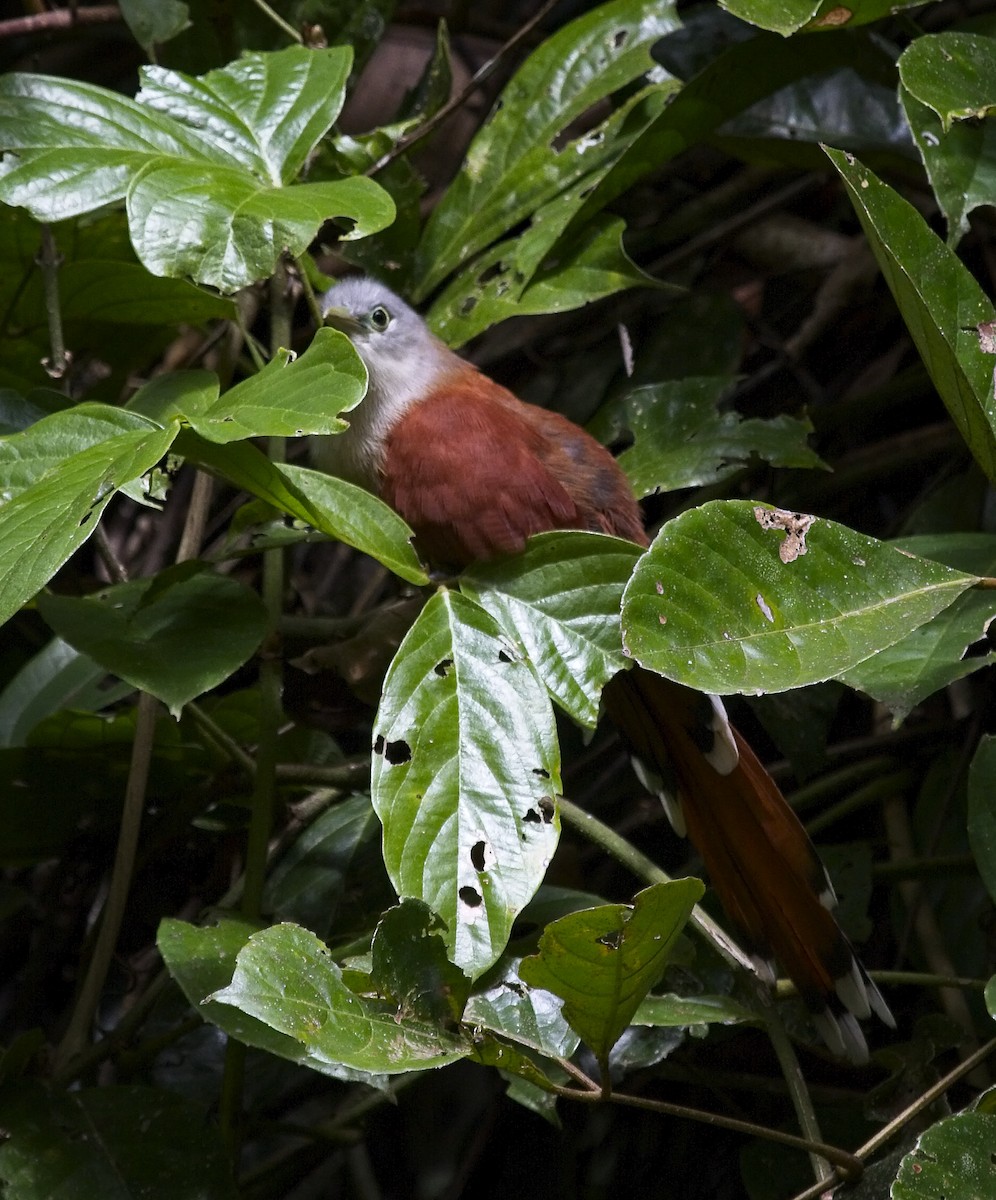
x: 955, y: 1159
x: 560, y: 600
x: 285, y: 978
x: 713, y: 605
x: 789, y: 16
x: 466, y: 772
x: 603, y: 961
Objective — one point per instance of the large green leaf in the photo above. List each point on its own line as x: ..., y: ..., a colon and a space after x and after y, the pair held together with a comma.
x: 206, y: 164
x: 285, y: 978
x: 516, y: 163
x: 934, y: 654
x: 955, y: 1158
x: 175, y: 635
x: 940, y: 301
x: 719, y: 602
x: 95, y: 1141
x: 529, y: 1016
x: 560, y: 601
x: 954, y: 73
x: 960, y: 162
x: 409, y: 964
x: 681, y: 438
x: 45, y: 522
x: 603, y: 961
x: 789, y: 16
x: 465, y: 776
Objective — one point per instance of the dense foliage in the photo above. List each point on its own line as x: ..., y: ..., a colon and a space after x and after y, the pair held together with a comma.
x: 750, y: 247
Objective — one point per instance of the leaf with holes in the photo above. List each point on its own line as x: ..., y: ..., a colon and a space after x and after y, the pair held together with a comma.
x: 737, y: 597
x: 466, y: 771
x: 603, y: 961
x: 560, y: 600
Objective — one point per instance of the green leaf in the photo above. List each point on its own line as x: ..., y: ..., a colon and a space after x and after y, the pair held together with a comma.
x: 334, y: 507
x: 56, y: 677
x: 409, y: 964
x: 175, y: 635
x: 285, y: 977
x: 953, y: 73
x: 960, y: 162
x: 789, y: 16
x: 717, y: 604
x: 681, y: 439
x: 529, y: 1016
x: 291, y: 396
x: 95, y: 1141
x: 940, y: 301
x: 465, y: 776
x: 516, y: 163
x: 672, y: 1011
x: 206, y: 164
x: 901, y: 676
x: 589, y: 267
x: 45, y: 522
x: 955, y: 1158
x: 203, y: 960
x: 982, y: 811
x: 560, y: 601
x: 603, y: 961
x: 155, y: 21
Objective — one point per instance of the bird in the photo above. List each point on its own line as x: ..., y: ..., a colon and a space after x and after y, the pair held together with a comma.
x: 475, y: 471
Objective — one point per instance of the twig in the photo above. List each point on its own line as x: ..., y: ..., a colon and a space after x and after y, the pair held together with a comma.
x: 278, y: 20
x: 49, y: 259
x: 480, y: 76
x: 61, y: 18
x: 80, y: 1022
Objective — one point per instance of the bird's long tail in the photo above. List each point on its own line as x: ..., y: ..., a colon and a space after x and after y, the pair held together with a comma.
x: 759, y: 858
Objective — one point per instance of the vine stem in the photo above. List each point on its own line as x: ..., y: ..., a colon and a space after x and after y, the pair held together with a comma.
x: 270, y: 717
x: 75, y: 1038
x: 49, y: 260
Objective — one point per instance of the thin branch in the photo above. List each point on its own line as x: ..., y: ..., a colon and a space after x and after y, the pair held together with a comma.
x: 480, y: 76
x: 49, y: 259
x: 60, y: 19
x: 278, y: 20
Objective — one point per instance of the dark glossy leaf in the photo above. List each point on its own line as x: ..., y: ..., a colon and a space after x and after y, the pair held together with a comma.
x: 466, y: 772
x: 409, y: 964
x: 716, y: 603
x: 96, y: 1141
x: 285, y: 977
x: 940, y: 302
x: 682, y: 439
x: 560, y: 601
x: 680, y: 1011
x: 175, y: 635
x: 982, y: 811
x: 529, y: 1016
x: 603, y: 961
x: 155, y: 21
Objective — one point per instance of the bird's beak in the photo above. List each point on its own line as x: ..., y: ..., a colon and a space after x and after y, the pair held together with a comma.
x: 343, y: 320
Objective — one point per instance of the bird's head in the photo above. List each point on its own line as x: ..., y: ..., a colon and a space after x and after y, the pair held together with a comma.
x: 391, y: 338
x: 405, y: 362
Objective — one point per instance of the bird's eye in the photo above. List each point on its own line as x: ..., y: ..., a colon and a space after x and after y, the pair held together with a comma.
x: 380, y: 318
